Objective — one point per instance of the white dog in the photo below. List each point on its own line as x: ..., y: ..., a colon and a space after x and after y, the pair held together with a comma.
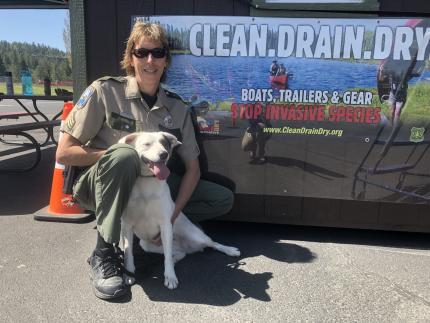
x: 150, y: 208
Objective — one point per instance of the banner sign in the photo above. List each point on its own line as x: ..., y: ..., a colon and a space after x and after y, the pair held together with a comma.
x: 331, y: 108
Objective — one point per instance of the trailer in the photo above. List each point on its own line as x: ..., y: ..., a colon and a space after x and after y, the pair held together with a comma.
x: 323, y: 151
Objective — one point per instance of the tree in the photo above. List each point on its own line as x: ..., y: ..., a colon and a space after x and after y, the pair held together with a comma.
x: 2, y: 67
x: 42, y: 70
x: 16, y: 72
x: 40, y: 59
x: 23, y: 66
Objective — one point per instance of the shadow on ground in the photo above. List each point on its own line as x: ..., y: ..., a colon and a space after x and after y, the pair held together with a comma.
x: 26, y: 193
x: 213, y: 278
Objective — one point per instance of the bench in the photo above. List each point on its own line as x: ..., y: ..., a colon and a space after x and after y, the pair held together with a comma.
x: 20, y: 129
x: 15, y: 115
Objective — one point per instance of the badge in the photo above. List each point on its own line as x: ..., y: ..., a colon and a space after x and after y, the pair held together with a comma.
x: 168, y: 121
x: 85, y: 97
x: 417, y: 134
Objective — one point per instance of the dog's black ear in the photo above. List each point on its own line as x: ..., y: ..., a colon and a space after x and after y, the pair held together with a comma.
x: 172, y: 139
x: 129, y: 138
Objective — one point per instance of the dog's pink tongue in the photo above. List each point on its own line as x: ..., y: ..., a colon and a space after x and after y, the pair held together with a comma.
x: 160, y: 171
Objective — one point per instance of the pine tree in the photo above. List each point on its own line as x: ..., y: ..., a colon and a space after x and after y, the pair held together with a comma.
x: 23, y: 66
x: 2, y: 67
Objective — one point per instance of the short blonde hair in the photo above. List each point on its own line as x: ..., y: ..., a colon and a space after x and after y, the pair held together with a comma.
x: 151, y: 31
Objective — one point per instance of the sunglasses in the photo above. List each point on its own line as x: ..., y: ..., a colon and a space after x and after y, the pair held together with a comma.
x: 155, y: 52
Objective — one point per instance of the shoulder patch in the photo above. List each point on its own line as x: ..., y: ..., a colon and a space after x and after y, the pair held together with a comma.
x: 114, y: 78
x: 173, y: 95
x: 85, y: 97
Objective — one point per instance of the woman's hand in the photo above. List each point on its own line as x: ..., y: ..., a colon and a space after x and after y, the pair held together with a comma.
x: 174, y: 217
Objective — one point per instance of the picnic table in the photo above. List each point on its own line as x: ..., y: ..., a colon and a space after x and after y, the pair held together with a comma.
x: 40, y: 121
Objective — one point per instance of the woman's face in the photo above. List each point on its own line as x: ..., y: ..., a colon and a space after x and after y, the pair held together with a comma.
x: 149, y: 69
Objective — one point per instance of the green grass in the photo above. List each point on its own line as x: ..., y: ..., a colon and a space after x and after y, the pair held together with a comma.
x: 37, y: 89
x: 417, y: 108
x: 222, y: 105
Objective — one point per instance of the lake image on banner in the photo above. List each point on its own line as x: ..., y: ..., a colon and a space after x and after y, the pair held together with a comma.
x: 315, y: 165
x: 222, y: 78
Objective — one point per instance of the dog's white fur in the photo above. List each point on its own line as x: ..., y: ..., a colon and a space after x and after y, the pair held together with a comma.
x: 149, y: 212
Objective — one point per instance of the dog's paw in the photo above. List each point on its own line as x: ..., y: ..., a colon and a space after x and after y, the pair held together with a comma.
x: 232, y: 251
x: 129, y: 280
x: 171, y: 282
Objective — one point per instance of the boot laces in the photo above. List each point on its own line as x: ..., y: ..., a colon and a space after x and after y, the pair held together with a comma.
x: 111, y: 264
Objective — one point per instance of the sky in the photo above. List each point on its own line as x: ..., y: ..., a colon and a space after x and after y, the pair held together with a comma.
x: 41, y: 26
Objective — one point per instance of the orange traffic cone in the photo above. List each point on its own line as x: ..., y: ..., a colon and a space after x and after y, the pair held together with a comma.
x: 62, y: 207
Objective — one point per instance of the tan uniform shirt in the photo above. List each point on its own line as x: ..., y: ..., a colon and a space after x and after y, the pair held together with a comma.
x: 112, y: 107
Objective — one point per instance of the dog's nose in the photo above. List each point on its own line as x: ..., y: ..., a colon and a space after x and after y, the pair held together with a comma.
x: 164, y: 155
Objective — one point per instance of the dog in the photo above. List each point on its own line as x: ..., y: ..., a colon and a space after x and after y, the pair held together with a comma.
x: 150, y: 207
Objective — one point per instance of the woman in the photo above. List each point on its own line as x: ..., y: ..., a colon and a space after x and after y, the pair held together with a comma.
x: 109, y: 109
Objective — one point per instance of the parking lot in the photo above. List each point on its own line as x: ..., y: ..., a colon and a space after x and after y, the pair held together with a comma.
x: 285, y: 273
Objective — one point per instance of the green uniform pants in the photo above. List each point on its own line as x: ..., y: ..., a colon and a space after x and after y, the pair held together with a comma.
x: 105, y: 188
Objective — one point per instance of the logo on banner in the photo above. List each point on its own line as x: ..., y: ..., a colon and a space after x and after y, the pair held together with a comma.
x: 417, y: 134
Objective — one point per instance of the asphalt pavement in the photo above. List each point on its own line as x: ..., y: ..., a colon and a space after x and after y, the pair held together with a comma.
x: 285, y: 273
